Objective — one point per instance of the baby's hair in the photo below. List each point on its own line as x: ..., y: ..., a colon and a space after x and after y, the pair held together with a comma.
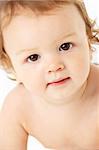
x: 10, y: 8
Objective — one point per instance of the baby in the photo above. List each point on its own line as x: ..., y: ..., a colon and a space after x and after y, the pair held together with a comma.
x: 47, y: 45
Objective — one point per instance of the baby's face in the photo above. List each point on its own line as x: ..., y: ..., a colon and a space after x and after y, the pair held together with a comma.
x: 49, y: 48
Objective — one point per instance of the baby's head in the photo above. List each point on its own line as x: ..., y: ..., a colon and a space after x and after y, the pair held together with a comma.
x: 46, y: 41
x: 10, y: 9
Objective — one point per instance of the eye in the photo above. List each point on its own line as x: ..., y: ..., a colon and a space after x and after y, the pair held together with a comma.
x: 33, y: 57
x: 65, y: 46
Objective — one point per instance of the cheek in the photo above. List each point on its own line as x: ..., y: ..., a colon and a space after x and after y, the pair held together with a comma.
x: 79, y: 66
x: 33, y: 81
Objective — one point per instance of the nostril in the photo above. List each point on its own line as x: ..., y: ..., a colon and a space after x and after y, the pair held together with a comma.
x: 56, y: 68
x: 59, y: 69
x: 53, y: 70
x: 50, y: 71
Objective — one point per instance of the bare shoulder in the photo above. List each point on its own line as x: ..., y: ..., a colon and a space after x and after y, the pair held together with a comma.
x: 15, y: 104
x: 94, y: 77
x: 92, y: 88
x: 95, y: 69
x: 97, y: 81
x: 12, y: 133
x: 13, y: 99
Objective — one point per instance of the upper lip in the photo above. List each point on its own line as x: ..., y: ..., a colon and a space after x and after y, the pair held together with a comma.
x: 58, y: 80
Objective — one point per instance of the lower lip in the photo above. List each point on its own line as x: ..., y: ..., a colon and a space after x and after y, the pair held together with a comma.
x: 60, y: 82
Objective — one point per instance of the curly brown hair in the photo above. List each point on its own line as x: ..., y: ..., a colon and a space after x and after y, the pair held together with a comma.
x: 9, y: 8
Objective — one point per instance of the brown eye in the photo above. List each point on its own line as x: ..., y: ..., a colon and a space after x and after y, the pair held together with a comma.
x: 65, y: 46
x: 33, y: 57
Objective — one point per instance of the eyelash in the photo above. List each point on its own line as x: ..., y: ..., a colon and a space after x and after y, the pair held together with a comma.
x: 31, y: 58
x: 63, y: 46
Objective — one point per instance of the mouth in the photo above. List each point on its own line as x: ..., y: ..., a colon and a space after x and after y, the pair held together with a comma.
x: 59, y: 82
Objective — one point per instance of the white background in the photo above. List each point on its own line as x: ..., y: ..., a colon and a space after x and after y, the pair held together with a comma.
x: 6, y: 85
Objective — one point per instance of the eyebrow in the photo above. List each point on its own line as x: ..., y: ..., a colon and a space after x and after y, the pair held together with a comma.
x: 32, y: 49
x: 24, y: 50
x: 66, y: 36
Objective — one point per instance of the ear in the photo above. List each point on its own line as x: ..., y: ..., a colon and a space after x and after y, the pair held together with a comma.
x: 13, y: 76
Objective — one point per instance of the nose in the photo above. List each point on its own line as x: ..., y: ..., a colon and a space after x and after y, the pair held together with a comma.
x: 55, y: 68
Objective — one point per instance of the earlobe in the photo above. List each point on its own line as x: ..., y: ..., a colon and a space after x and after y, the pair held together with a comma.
x: 15, y: 77
x: 12, y: 75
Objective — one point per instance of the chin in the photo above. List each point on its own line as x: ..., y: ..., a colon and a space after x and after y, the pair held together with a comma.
x: 56, y: 99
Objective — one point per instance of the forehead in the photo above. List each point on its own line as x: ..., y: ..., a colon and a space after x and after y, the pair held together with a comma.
x: 64, y: 20
x: 68, y: 9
